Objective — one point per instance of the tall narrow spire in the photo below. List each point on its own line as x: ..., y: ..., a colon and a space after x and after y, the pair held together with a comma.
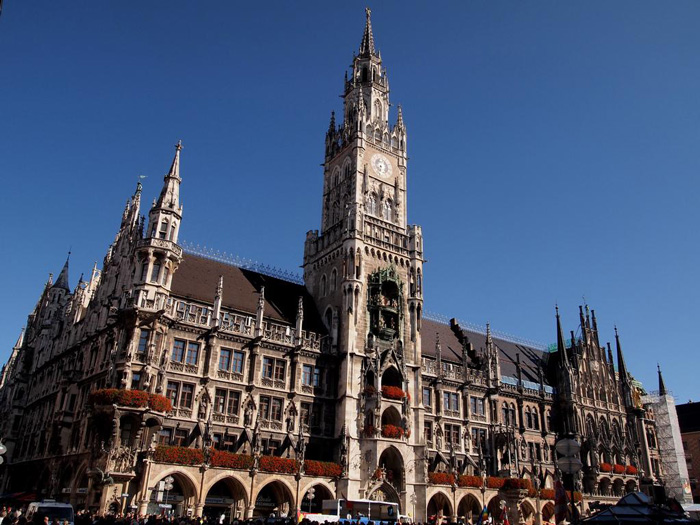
x: 662, y: 385
x: 561, y: 343
x: 62, y: 281
x: 367, y: 44
x: 621, y: 367
x: 170, y: 194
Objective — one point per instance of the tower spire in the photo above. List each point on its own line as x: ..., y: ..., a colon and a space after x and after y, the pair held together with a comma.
x: 62, y: 281
x: 561, y: 343
x: 621, y: 367
x: 662, y: 385
x: 170, y: 194
x: 367, y: 44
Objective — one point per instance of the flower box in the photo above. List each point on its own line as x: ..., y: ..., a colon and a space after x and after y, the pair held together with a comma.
x: 618, y: 469
x: 392, y: 432
x: 605, y: 467
x: 279, y: 465
x: 369, y: 431
x: 547, y: 493
x: 222, y: 458
x: 516, y: 484
x: 393, y: 392
x: 495, y: 483
x: 470, y: 481
x: 631, y: 469
x: 322, y: 468
x: 179, y: 455
x: 370, y: 390
x: 130, y: 398
x: 441, y: 478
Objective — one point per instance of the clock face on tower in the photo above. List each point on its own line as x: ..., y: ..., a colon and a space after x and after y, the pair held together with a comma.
x: 381, y: 165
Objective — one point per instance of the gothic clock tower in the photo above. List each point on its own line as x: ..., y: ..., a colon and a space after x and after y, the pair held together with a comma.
x: 364, y: 269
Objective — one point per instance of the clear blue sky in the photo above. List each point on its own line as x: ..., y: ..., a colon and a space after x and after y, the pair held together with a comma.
x: 554, y: 148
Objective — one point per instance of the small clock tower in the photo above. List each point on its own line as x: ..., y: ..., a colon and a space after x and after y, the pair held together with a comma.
x: 364, y: 269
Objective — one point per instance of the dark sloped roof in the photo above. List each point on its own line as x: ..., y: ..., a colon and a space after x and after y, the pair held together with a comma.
x: 530, y: 358
x: 197, y: 278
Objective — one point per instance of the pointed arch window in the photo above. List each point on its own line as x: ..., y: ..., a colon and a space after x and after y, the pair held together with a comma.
x: 388, y: 209
x: 334, y: 280
x: 163, y: 234
x: 372, y: 204
x: 323, y: 285
x: 378, y: 109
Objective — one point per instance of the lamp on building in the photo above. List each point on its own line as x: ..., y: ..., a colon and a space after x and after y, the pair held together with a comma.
x: 310, y: 495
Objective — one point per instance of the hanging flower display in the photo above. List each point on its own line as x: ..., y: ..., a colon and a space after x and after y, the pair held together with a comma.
x: 441, y: 478
x: 392, y: 432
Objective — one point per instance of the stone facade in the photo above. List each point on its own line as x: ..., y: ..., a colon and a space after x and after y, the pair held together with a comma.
x: 259, y: 387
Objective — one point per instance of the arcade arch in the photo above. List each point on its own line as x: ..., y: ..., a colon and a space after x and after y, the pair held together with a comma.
x: 182, y: 496
x: 439, y: 507
x: 226, y: 496
x: 469, y: 508
x: 274, y: 498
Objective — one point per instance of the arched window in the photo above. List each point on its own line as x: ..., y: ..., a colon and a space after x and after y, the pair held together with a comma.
x: 328, y: 318
x: 513, y: 420
x: 346, y: 171
x: 388, y: 209
x: 378, y: 109
x: 323, y: 285
x: 163, y: 234
x: 528, y: 418
x: 334, y: 279
x: 504, y: 414
x: 535, y: 419
x: 372, y: 204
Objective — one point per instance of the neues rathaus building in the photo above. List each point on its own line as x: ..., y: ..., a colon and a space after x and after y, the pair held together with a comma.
x: 248, y: 387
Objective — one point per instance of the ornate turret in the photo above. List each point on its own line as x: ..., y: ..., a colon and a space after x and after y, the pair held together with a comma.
x: 158, y: 253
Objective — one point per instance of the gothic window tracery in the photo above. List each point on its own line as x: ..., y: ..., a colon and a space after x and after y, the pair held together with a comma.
x: 385, y: 303
x: 388, y: 209
x: 372, y: 204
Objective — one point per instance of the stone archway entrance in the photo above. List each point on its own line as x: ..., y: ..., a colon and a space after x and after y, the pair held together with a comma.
x: 274, y: 499
x: 469, y: 508
x: 315, y: 505
x: 226, y: 497
x: 439, y: 507
x: 178, y: 501
x: 391, y: 463
x: 527, y: 513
